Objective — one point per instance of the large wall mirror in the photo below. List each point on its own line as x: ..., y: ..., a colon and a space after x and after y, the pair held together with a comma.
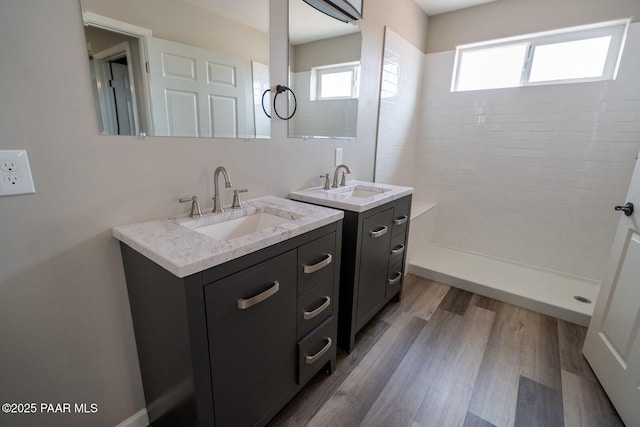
x: 194, y: 68
x: 324, y: 73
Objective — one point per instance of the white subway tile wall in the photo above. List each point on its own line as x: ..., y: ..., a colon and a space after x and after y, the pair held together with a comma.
x: 398, y: 121
x: 330, y: 118
x: 530, y: 174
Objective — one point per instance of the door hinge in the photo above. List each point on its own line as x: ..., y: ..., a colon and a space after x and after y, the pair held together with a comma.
x: 146, y: 65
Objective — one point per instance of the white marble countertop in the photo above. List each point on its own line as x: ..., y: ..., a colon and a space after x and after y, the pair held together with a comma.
x: 173, y: 244
x: 339, y: 197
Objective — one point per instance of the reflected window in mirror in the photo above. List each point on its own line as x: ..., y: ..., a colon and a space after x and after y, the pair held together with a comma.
x: 324, y: 72
x: 189, y: 68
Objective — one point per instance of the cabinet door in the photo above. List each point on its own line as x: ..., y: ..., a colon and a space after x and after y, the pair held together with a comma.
x: 251, y: 319
x: 374, y: 261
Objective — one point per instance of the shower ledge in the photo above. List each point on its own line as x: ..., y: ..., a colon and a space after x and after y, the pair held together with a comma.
x: 536, y: 289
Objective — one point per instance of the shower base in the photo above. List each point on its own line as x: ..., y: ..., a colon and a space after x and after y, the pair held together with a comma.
x: 536, y: 289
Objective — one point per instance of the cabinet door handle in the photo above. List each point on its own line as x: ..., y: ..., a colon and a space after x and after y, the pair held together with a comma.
x: 400, y: 220
x: 397, y: 250
x: 243, y: 304
x: 308, y: 315
x: 378, y: 232
x: 397, y: 276
x: 310, y: 360
x: 308, y: 269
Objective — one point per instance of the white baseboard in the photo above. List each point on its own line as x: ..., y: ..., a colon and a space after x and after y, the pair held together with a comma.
x: 139, y: 419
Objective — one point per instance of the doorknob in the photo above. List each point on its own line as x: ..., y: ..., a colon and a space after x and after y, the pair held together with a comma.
x: 627, y: 208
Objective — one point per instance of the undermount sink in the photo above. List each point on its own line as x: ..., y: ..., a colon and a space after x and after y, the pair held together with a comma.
x: 238, y: 227
x: 361, y: 193
x: 355, y: 196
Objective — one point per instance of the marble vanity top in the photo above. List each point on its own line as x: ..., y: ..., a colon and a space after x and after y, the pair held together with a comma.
x: 175, y: 244
x: 355, y: 196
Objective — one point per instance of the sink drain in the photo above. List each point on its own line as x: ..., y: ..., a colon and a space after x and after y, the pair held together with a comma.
x: 582, y: 299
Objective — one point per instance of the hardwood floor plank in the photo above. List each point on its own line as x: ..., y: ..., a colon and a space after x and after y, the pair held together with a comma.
x: 353, y: 399
x: 586, y: 404
x: 571, y: 337
x: 454, y: 369
x: 427, y: 300
x: 495, y: 393
x: 456, y: 301
x: 411, y: 380
x: 472, y: 420
x: 540, y: 352
x: 305, y: 404
x: 444, y: 359
x: 485, y: 302
x: 538, y: 405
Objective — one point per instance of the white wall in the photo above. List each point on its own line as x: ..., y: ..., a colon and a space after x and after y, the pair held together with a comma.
x: 398, y: 119
x: 530, y: 174
x: 65, y: 325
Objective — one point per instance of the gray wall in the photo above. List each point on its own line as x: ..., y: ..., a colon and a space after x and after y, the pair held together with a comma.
x: 65, y: 325
x: 506, y: 18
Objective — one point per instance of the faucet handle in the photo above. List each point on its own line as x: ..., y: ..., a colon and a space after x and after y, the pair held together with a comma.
x: 343, y: 181
x: 236, y: 198
x: 195, y: 206
x: 326, y: 180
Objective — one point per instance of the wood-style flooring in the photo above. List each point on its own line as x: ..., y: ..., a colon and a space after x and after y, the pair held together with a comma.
x: 446, y: 357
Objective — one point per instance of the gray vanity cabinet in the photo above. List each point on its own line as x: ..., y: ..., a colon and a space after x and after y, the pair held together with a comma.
x: 231, y: 345
x: 373, y: 263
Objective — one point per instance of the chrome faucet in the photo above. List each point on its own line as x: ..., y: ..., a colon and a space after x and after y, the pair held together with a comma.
x: 217, y: 203
x: 335, y: 176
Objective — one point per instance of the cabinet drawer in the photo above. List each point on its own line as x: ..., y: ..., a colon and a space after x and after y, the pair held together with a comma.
x: 314, y: 306
x: 316, y: 349
x: 394, y: 279
x: 397, y: 250
x: 316, y: 262
x: 401, y: 218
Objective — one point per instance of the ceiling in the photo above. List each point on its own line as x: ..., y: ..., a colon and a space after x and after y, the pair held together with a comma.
x: 436, y: 7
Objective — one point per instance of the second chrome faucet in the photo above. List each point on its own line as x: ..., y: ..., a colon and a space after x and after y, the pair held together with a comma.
x: 217, y: 202
x: 335, y: 176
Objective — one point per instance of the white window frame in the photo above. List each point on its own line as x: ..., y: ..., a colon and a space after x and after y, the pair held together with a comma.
x: 318, y: 72
x: 616, y: 29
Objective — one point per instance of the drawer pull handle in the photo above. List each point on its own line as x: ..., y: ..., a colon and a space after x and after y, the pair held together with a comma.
x: 243, y: 304
x: 397, y: 250
x: 400, y: 220
x: 308, y: 315
x: 394, y: 280
x: 308, y: 269
x: 379, y: 232
x: 310, y: 360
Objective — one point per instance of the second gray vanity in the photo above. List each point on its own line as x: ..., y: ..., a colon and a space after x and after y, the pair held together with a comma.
x: 233, y: 312
x: 374, y: 241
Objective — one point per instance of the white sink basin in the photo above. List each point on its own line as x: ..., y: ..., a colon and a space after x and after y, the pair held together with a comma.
x: 238, y: 227
x: 356, y: 196
x: 362, y: 193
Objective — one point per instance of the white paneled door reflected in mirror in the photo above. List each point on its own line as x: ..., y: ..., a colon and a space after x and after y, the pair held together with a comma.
x: 189, y: 68
x: 324, y: 72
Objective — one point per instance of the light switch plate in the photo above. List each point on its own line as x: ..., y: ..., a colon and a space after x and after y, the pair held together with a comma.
x: 338, y: 156
x: 15, y: 173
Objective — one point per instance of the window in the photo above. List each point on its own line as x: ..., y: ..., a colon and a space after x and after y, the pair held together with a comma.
x: 579, y: 54
x: 339, y: 81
